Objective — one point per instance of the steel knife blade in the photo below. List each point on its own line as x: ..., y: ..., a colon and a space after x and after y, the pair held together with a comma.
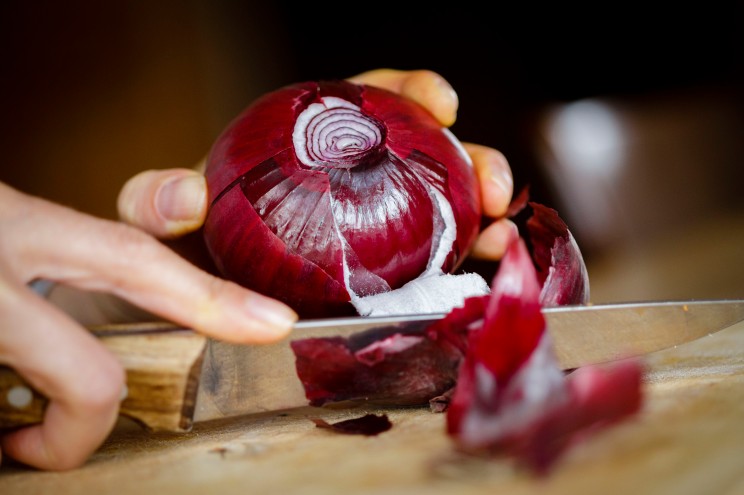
x: 176, y: 376
x: 239, y: 380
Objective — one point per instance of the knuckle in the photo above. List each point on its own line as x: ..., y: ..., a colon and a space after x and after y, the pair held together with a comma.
x: 218, y: 290
x: 132, y: 243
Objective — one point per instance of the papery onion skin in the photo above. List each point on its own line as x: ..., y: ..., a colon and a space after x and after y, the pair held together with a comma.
x: 369, y: 425
x: 512, y: 397
x: 309, y: 232
x: 561, y: 267
x: 385, y: 365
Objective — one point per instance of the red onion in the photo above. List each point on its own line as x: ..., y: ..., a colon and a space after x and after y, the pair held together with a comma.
x: 512, y: 397
x: 489, y: 364
x: 323, y: 193
x: 417, y: 364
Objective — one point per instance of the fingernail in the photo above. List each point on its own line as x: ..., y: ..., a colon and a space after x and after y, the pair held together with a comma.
x: 271, y: 312
x: 449, y: 103
x: 182, y: 199
x: 446, y: 87
x: 513, y: 230
x: 503, y: 179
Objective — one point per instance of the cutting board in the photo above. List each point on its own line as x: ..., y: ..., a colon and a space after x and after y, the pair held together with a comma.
x: 687, y: 439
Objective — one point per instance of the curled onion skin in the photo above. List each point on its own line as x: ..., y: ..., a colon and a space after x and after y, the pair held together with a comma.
x: 325, y: 191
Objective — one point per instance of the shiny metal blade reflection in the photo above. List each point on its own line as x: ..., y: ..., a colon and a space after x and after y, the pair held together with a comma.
x: 246, y: 379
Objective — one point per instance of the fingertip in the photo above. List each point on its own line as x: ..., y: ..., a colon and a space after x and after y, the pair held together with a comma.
x: 431, y: 90
x: 235, y: 314
x: 494, y: 240
x: 271, y: 320
x: 390, y: 79
x: 495, y: 178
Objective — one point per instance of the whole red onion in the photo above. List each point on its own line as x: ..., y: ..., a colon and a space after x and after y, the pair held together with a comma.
x: 323, y: 193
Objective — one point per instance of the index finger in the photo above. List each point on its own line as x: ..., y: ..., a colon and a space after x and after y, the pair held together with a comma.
x: 106, y: 256
x: 136, y: 267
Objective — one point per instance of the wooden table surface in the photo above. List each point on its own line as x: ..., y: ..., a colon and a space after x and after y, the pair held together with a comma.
x: 688, y: 439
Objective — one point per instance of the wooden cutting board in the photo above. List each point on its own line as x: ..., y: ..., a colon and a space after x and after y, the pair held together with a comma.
x: 688, y: 439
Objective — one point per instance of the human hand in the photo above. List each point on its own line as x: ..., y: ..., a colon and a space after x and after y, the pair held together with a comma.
x: 171, y: 203
x: 54, y: 354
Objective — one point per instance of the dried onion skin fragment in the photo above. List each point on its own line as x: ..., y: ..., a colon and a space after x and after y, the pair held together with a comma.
x: 368, y: 425
x: 511, y: 396
x: 385, y: 365
x: 561, y: 268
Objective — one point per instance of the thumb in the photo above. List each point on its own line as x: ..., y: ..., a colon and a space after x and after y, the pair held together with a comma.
x: 165, y: 203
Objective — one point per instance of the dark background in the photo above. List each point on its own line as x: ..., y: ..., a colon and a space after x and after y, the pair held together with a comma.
x: 94, y: 92
x: 507, y: 62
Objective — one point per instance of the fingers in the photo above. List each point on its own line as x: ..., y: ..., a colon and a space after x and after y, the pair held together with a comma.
x: 112, y: 257
x: 497, y: 186
x: 492, y: 242
x: 57, y: 243
x: 423, y: 86
x: 495, y: 178
x: 139, y: 269
x: 81, y: 378
x: 165, y: 203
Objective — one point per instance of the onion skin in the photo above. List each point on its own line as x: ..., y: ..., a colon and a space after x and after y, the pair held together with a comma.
x: 385, y: 366
x: 363, y: 221
x: 511, y: 396
x: 561, y: 268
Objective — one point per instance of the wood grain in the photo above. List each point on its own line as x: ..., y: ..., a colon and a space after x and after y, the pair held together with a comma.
x: 687, y: 440
x: 163, y: 366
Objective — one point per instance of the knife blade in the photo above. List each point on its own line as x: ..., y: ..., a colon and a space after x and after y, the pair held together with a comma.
x: 176, y: 377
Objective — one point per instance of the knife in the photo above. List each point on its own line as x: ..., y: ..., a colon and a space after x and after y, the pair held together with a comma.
x: 176, y: 377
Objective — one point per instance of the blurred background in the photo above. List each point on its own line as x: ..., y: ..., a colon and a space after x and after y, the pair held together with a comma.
x: 629, y: 122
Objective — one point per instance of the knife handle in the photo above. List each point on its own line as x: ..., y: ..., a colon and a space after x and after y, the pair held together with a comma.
x: 162, y: 364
